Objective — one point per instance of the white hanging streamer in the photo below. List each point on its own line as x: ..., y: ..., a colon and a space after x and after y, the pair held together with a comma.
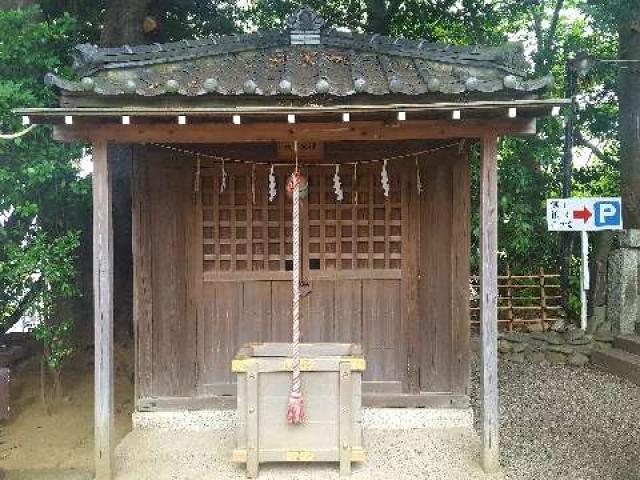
x: 355, y: 183
x: 418, y: 178
x: 273, y: 188
x: 337, y: 184
x: 384, y: 179
x: 253, y: 184
x: 196, y: 180
x: 223, y: 179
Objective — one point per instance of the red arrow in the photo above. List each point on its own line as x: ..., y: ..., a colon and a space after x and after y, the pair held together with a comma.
x: 583, y: 214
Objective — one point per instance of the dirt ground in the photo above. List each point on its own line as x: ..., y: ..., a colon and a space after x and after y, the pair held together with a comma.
x: 557, y: 423
x: 37, y: 444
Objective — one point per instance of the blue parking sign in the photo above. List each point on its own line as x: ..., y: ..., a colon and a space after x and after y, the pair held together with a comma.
x: 584, y: 214
x: 607, y: 214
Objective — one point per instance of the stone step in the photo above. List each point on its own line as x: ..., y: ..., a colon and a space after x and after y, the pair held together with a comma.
x: 628, y: 343
x: 619, y: 362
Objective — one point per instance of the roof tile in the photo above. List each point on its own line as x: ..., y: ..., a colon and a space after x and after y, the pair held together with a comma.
x: 268, y: 64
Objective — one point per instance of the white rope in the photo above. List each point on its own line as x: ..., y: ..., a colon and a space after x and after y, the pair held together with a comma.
x: 295, y: 388
x: 296, y: 275
x: 295, y: 407
x: 13, y: 136
x: 220, y: 158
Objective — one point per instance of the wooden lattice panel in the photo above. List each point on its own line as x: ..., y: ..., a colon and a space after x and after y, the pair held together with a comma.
x: 363, y: 231
x: 242, y: 231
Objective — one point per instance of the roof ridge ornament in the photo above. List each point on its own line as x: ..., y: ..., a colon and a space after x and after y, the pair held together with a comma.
x: 304, y: 27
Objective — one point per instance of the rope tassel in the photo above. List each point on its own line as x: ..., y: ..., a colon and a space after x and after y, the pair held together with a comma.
x: 295, y: 408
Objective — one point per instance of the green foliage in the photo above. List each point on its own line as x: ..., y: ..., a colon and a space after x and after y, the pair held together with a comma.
x: 44, y: 204
x: 607, y: 12
x: 57, y: 339
x: 48, y: 202
x: 449, y: 21
x: 178, y: 19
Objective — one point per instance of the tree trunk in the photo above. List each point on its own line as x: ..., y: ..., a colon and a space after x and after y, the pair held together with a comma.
x: 629, y: 97
x: 56, y: 390
x: 377, y: 17
x: 598, y: 266
x: 121, y: 156
x: 43, y: 383
x: 15, y: 4
x: 123, y: 24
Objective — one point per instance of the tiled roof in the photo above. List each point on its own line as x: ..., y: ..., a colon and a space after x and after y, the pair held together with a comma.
x: 305, y: 60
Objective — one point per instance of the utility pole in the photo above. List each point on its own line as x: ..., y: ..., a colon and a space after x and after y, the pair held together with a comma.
x: 566, y: 238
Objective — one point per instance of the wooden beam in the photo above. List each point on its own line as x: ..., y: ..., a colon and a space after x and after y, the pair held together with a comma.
x: 489, y: 303
x: 176, y: 404
x: 110, y: 107
x: 414, y: 400
x: 103, y: 308
x: 283, y: 132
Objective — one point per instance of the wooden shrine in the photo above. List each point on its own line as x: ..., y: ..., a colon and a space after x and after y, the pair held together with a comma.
x: 212, y: 124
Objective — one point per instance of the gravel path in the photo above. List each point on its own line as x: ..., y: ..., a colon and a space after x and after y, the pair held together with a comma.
x: 435, y: 454
x: 566, y: 423
x: 558, y: 423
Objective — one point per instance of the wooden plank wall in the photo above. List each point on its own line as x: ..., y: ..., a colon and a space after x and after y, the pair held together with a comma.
x: 364, y: 311
x: 189, y: 329
x: 444, y: 273
x: 166, y: 315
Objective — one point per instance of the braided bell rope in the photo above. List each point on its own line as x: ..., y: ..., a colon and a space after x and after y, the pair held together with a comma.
x: 296, y: 289
x: 295, y: 409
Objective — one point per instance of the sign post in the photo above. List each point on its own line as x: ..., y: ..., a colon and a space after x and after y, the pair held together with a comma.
x: 584, y: 215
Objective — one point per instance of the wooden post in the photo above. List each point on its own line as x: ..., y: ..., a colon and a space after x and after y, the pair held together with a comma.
x: 489, y: 303
x: 543, y: 299
x: 345, y: 418
x: 410, y: 272
x: 103, y: 316
x: 509, y: 298
x: 253, y: 458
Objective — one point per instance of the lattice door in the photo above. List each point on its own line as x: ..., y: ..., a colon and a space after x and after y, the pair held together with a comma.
x: 244, y: 232
x: 363, y: 231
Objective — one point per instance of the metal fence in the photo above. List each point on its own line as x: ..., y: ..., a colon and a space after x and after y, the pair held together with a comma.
x: 523, y: 300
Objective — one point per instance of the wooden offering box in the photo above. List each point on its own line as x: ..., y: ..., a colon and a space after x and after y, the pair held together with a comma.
x: 332, y: 390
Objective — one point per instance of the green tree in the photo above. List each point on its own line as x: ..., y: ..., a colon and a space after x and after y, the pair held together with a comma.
x: 44, y: 203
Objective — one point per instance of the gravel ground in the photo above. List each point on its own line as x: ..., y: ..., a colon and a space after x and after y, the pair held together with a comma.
x: 557, y: 423
x: 433, y: 454
x: 566, y: 423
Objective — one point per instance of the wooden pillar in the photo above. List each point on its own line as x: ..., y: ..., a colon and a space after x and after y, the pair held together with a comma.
x: 410, y: 272
x: 489, y: 303
x: 103, y: 316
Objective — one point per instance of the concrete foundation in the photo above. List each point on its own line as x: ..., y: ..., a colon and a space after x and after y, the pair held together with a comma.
x: 623, y: 295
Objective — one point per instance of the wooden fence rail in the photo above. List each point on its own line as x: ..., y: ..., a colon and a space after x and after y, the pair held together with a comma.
x: 523, y: 300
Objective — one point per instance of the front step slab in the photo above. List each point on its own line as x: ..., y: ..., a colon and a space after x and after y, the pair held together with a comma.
x: 628, y: 343
x: 619, y: 362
